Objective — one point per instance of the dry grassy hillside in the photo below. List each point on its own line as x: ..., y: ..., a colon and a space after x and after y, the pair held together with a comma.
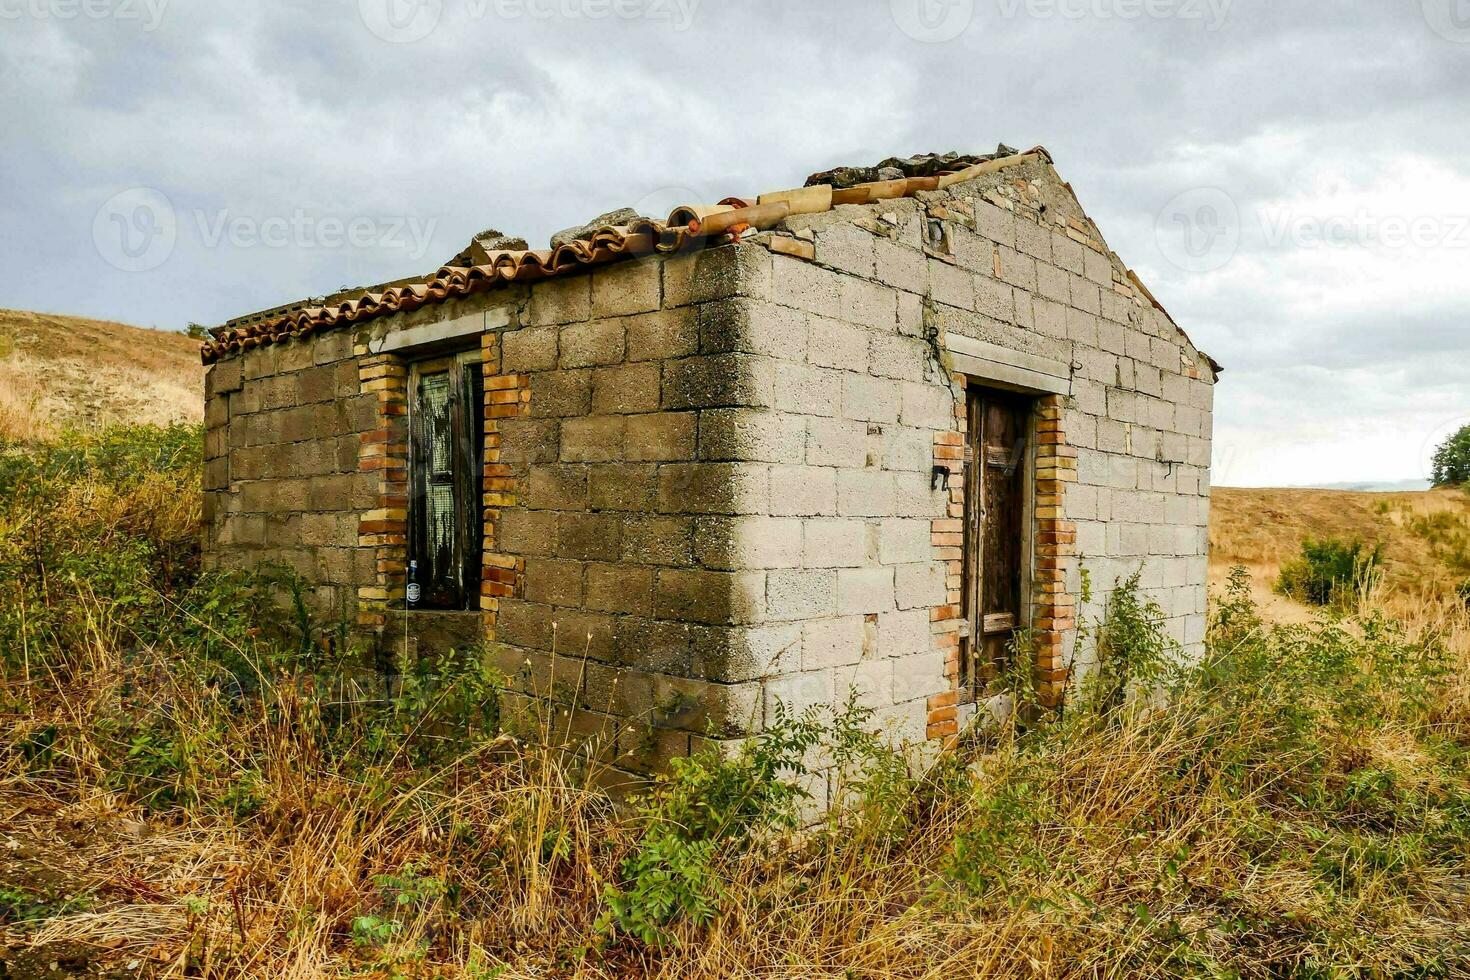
x: 1426, y: 536
x: 60, y: 370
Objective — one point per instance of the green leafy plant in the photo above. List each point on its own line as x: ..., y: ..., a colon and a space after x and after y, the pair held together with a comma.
x: 709, y: 803
x: 1452, y: 460
x: 1330, y: 572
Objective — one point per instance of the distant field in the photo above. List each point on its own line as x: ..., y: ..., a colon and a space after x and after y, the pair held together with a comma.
x: 59, y: 370
x: 1426, y: 536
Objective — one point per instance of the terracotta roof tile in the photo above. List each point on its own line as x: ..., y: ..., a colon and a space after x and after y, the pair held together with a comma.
x: 689, y: 226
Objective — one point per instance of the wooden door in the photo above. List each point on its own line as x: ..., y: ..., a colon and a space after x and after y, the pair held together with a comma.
x: 447, y: 436
x: 995, y: 520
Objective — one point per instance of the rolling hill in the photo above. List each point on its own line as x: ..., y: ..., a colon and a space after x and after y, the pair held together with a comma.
x: 57, y: 371
x: 1425, y: 536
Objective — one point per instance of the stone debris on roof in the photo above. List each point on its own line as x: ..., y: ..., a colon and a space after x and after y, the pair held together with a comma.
x: 614, y: 235
x: 896, y: 168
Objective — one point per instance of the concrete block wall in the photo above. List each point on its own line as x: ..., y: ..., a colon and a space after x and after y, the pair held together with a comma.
x: 861, y: 314
x: 282, y: 484
x: 709, y: 482
x: 635, y: 492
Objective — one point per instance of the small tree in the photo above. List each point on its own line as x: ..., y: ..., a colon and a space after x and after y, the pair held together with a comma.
x: 1452, y: 460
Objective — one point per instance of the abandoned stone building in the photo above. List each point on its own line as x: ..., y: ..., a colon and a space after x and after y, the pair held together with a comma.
x: 855, y: 436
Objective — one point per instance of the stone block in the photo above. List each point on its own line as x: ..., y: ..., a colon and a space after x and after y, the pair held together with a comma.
x: 626, y: 389
x: 624, y: 288
x: 622, y: 487
x: 864, y: 590
x: 750, y: 435
x: 593, y: 438
x: 553, y: 582
x: 591, y: 344
x: 713, y: 488
x: 802, y: 491
x: 800, y: 593
x: 664, y: 436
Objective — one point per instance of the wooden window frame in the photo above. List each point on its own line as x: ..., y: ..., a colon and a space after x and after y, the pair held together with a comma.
x: 467, y: 438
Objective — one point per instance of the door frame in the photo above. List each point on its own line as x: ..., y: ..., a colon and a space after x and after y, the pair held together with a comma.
x: 972, y: 677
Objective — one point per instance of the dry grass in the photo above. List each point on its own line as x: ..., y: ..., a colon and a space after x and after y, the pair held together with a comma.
x: 57, y: 371
x: 1262, y: 529
x: 1286, y: 817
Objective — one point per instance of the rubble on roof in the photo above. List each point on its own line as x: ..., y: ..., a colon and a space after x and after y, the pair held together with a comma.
x: 896, y: 168
x: 611, y: 219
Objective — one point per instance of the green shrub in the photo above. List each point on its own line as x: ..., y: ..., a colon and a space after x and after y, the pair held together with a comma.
x: 1330, y: 572
x: 1452, y: 460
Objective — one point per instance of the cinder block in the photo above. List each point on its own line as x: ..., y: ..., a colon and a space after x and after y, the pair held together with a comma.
x: 590, y: 344
x: 864, y: 590
x: 871, y: 399
x: 920, y: 585
x: 835, y: 442
x: 904, y: 541
x: 750, y: 435
x: 803, y: 491
x: 713, y: 488
x: 833, y: 543
x: 663, y: 335
x: 705, y: 596
x: 865, y: 493
x: 748, y: 542
x: 663, y: 436
x: 624, y: 288
x: 832, y: 343
x: 800, y: 593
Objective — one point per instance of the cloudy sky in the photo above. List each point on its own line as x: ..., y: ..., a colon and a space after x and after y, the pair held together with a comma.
x: 1290, y: 178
